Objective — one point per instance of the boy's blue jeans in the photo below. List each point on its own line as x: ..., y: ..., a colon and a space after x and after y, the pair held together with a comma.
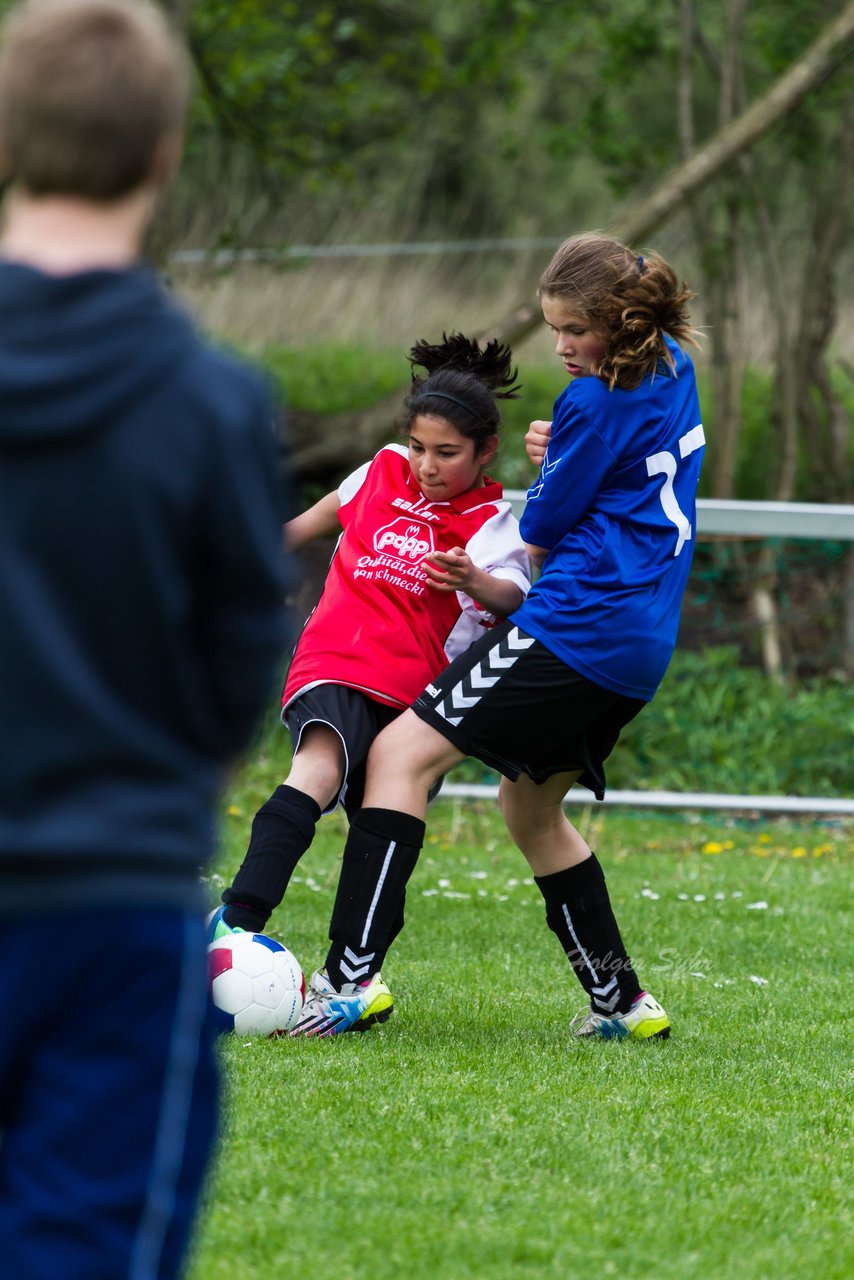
x: 108, y: 1092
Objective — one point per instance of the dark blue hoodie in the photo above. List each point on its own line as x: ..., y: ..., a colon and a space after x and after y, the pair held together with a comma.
x: 141, y: 586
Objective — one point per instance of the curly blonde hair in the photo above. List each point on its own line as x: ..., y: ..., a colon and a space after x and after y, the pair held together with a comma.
x: 631, y: 301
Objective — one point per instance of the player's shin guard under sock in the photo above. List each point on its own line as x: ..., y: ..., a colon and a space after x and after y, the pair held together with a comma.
x: 282, y: 830
x: 578, y: 911
x: 379, y: 857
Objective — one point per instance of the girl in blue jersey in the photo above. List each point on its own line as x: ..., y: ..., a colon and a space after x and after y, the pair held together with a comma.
x: 543, y: 697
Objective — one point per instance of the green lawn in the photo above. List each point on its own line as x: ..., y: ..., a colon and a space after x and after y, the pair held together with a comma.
x: 470, y: 1137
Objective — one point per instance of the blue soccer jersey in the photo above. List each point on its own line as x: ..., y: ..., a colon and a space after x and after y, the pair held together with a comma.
x: 614, y: 505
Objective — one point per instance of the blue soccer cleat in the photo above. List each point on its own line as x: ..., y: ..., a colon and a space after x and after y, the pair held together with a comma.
x: 217, y: 927
x: 328, y: 1012
x: 644, y: 1020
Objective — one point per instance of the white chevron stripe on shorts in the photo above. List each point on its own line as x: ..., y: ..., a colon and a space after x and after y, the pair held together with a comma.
x: 502, y: 663
x: 484, y: 675
x: 518, y: 643
x: 481, y: 681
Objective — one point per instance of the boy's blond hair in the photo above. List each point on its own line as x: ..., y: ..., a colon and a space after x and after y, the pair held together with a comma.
x: 89, y: 92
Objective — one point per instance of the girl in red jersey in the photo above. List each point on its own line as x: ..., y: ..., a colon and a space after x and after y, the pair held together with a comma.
x: 544, y: 697
x: 430, y: 555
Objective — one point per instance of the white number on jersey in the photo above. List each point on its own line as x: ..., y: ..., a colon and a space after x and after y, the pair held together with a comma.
x: 665, y: 464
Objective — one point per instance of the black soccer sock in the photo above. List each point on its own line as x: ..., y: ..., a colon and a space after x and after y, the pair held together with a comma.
x: 379, y: 857
x: 578, y: 910
x: 282, y: 830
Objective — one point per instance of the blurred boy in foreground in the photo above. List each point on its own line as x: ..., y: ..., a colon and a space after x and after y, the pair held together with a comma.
x: 141, y: 597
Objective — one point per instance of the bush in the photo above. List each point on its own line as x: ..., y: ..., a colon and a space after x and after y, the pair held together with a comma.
x: 714, y: 726
x: 718, y: 726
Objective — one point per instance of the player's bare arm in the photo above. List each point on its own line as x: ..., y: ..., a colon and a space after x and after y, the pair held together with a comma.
x: 536, y: 555
x: 537, y: 441
x: 455, y: 570
x: 319, y: 520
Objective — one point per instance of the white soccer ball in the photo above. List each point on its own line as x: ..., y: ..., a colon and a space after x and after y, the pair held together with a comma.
x: 257, y: 985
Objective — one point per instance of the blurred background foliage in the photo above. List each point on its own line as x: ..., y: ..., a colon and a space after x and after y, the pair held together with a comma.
x: 395, y: 120
x: 399, y: 122
x: 483, y: 117
x: 374, y: 122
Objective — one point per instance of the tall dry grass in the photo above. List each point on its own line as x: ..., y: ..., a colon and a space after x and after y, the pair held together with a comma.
x: 382, y: 302
x: 391, y: 301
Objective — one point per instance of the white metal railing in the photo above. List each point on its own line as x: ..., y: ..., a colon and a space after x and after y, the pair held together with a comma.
x: 404, y: 249
x: 735, y: 518
x: 827, y: 806
x: 758, y: 519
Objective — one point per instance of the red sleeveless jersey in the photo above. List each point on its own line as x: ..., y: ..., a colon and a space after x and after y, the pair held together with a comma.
x: 378, y: 625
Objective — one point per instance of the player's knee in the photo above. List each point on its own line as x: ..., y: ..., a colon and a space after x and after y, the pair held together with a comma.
x: 526, y: 814
x: 318, y: 766
x: 408, y: 746
x: 516, y: 819
x: 511, y: 802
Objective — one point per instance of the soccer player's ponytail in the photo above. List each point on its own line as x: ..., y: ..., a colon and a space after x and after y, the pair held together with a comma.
x: 630, y: 300
x: 462, y: 385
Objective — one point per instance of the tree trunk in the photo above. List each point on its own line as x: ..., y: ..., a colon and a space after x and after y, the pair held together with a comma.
x: 819, y: 61
x: 719, y: 253
x: 823, y: 411
x: 848, y: 614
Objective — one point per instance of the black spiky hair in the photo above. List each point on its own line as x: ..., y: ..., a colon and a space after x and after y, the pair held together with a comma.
x: 491, y: 365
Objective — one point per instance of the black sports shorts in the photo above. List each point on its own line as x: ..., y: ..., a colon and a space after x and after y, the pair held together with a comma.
x: 509, y: 702
x: 357, y: 719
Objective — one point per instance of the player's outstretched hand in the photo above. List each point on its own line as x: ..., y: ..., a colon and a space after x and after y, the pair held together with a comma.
x: 537, y: 441
x: 452, y: 570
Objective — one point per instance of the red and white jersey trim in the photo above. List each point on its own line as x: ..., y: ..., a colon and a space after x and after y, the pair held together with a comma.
x: 378, y: 626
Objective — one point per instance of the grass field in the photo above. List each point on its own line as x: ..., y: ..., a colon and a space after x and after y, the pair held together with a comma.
x: 470, y: 1137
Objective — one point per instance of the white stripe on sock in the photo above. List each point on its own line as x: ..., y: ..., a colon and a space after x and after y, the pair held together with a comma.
x: 581, y: 950
x: 389, y: 852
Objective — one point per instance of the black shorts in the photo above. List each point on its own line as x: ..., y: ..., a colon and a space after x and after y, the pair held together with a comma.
x: 509, y: 702
x: 357, y: 719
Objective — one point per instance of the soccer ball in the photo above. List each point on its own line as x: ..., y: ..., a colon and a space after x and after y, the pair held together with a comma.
x: 257, y: 985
